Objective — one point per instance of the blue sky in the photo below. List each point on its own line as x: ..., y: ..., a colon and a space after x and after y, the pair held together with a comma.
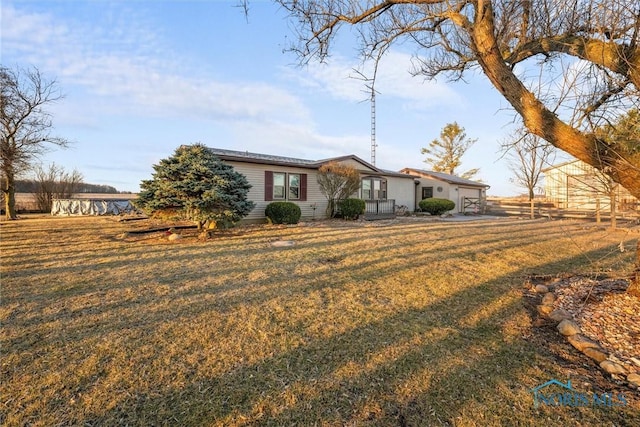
x: 143, y: 77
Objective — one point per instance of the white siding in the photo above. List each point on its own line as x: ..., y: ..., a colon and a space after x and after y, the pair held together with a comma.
x: 255, y: 175
x: 399, y: 189
x: 402, y: 190
x: 445, y: 189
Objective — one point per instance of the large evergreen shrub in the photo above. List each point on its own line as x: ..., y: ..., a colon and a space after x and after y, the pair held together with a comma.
x: 283, y: 212
x: 194, y: 185
x: 436, y: 206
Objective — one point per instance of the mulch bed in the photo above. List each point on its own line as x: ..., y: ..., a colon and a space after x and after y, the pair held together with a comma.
x: 605, y: 313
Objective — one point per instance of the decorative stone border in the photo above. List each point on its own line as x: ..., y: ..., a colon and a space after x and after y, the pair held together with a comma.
x: 566, y: 325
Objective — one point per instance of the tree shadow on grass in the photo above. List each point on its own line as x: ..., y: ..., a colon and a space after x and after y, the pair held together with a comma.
x: 339, y: 371
x: 460, y: 360
x: 111, y: 316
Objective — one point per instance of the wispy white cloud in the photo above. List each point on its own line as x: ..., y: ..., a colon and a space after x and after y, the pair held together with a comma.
x: 297, y: 140
x: 120, y: 65
x: 133, y: 95
x: 349, y: 80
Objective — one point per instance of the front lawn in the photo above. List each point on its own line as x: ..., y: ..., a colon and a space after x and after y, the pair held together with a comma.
x: 408, y: 323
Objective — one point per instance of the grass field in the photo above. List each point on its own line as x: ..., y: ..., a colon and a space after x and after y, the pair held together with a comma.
x: 411, y: 323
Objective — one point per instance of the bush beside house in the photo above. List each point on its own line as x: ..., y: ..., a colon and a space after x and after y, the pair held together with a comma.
x: 351, y: 208
x: 283, y: 213
x: 436, y: 206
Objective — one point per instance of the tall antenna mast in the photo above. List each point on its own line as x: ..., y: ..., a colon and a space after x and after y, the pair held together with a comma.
x: 373, y: 125
x: 370, y: 85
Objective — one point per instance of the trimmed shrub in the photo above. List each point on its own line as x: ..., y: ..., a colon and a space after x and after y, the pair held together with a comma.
x: 351, y: 208
x: 283, y: 212
x: 436, y: 206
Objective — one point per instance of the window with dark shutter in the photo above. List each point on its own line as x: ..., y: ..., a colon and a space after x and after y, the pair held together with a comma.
x: 285, y: 186
x: 268, y: 185
x: 303, y: 187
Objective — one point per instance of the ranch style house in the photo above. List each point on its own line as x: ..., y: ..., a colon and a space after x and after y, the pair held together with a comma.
x: 278, y: 178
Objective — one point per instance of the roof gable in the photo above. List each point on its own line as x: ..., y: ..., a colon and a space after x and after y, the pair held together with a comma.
x: 351, y: 157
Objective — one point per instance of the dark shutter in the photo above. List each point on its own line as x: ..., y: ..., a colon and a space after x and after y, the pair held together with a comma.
x: 268, y: 185
x: 303, y: 187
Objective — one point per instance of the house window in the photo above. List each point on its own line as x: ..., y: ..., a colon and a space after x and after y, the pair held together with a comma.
x: 366, y: 189
x: 285, y: 186
x: 427, y: 192
x: 373, y: 189
x: 294, y: 186
x: 278, y: 185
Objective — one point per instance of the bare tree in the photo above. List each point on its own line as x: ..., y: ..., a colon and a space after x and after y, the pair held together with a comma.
x: 25, y: 125
x: 445, y: 153
x: 527, y: 155
x: 505, y: 39
x: 54, y: 183
x: 337, y: 182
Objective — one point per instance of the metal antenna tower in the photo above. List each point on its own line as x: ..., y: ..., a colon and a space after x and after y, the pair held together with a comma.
x: 373, y: 125
x: 370, y: 85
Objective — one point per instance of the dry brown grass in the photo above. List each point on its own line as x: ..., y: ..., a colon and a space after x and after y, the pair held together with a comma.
x: 413, y: 323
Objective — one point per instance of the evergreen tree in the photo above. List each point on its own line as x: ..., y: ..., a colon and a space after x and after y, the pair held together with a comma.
x: 445, y: 153
x: 195, y: 185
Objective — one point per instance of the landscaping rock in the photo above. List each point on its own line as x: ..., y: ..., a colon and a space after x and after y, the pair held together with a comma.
x: 541, y: 289
x: 568, y: 327
x: 581, y: 342
x: 544, y: 310
x: 174, y: 236
x: 596, y: 354
x: 612, y: 368
x: 548, y: 298
x: 559, y: 315
x: 634, y: 380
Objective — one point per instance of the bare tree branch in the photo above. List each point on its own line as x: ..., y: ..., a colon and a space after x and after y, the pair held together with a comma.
x: 506, y: 39
x: 25, y: 125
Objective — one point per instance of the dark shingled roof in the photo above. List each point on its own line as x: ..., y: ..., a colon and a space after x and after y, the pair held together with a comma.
x: 269, y: 159
x: 266, y: 158
x: 451, y: 179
